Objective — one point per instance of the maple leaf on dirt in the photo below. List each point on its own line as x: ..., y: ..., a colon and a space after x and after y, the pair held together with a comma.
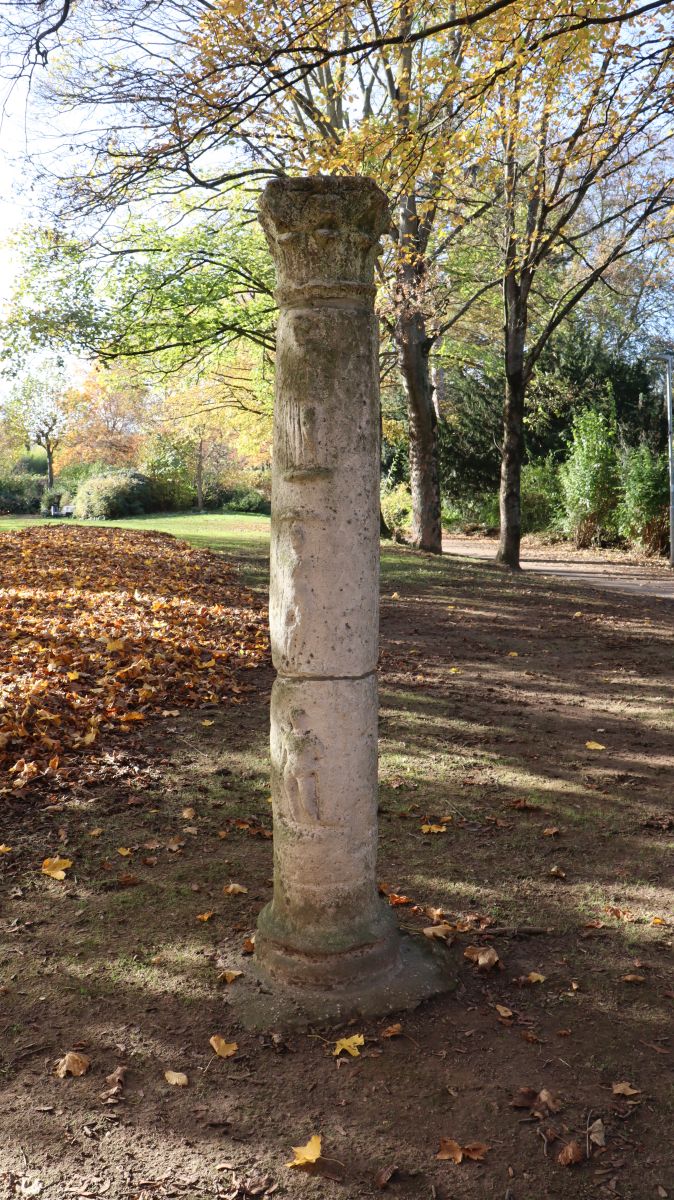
x: 100, y: 629
x: 56, y: 868
x: 72, y: 1063
x: 306, y: 1156
x: 451, y: 1151
x: 349, y: 1045
x: 223, y: 1048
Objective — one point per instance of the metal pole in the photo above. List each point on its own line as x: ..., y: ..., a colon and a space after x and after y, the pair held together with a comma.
x: 671, y: 451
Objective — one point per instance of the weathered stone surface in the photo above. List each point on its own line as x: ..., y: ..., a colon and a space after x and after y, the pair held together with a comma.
x: 327, y: 931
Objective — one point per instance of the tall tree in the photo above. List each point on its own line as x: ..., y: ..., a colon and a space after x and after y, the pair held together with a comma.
x: 37, y: 412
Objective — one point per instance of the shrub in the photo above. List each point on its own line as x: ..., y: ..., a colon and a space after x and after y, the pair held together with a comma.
x: 21, y: 493
x: 396, y: 507
x: 541, y: 494
x: 105, y: 497
x: 32, y: 463
x: 643, y: 513
x: 470, y: 512
x: 247, y: 500
x: 70, y: 477
x: 589, y: 480
x: 54, y: 497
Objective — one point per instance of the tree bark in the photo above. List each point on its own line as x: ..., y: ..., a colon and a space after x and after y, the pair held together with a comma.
x: 50, y: 463
x: 511, y: 471
x: 200, y: 475
x: 413, y: 349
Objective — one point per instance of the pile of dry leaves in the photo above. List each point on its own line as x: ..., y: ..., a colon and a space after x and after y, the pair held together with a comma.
x: 102, y: 628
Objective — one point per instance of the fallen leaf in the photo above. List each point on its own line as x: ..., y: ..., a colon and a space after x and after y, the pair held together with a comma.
x: 484, y: 957
x: 534, y: 977
x: 95, y: 832
x: 503, y: 1011
x: 124, y: 851
x: 229, y: 976
x: 633, y: 979
x: 597, y: 1132
x: 307, y: 1155
x: 176, y: 1078
x: 551, y: 831
x: 570, y: 1155
x: 443, y: 932
x: 350, y: 1045
x: 449, y: 1151
x: 56, y: 868
x: 513, y: 654
x: 208, y: 723
x: 72, y: 1063
x: 433, y: 829
x: 205, y: 916
x: 392, y: 1031
x: 383, y: 1177
x: 188, y: 814
x: 127, y: 880
x: 475, y: 1151
x: 222, y: 1048
x: 558, y: 872
x: 658, y: 921
x: 117, y: 1076
x: 527, y: 1035
x: 174, y: 844
x: 249, y: 945
x: 5, y: 849
x: 396, y: 901
x: 234, y: 889
x: 594, y: 746
x: 625, y: 1089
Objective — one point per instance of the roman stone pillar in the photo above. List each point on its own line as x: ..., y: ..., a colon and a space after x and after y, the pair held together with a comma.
x: 326, y: 926
x: 327, y: 945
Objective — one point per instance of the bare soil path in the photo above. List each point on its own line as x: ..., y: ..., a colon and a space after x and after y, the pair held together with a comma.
x: 615, y: 570
x: 531, y: 719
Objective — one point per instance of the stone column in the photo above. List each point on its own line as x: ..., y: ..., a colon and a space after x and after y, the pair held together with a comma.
x: 326, y: 929
x: 326, y: 926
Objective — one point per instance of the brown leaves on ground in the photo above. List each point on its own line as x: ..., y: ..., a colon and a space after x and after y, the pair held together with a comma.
x: 451, y: 1151
x: 570, y: 1155
x: 540, y: 1104
x: 483, y: 957
x: 72, y: 1063
x: 101, y: 628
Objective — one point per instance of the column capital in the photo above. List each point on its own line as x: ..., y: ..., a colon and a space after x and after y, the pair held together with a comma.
x: 323, y: 232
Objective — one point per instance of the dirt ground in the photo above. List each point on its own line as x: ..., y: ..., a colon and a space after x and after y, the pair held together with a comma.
x: 555, y: 854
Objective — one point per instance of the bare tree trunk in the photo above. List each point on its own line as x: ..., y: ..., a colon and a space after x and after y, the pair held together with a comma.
x: 413, y: 349
x: 50, y: 463
x: 511, y: 471
x: 200, y: 475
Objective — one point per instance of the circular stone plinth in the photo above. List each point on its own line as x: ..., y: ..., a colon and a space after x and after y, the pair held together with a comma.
x: 419, y: 973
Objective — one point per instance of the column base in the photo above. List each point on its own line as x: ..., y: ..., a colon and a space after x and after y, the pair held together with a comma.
x: 417, y: 973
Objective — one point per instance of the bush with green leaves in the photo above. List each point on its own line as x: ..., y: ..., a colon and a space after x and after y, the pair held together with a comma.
x: 541, y: 495
x: 589, y: 480
x: 246, y: 500
x: 21, y: 494
x: 108, y: 497
x: 70, y: 477
x: 169, y: 464
x: 396, y: 507
x: 54, y: 497
x: 34, y: 462
x: 643, y: 512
